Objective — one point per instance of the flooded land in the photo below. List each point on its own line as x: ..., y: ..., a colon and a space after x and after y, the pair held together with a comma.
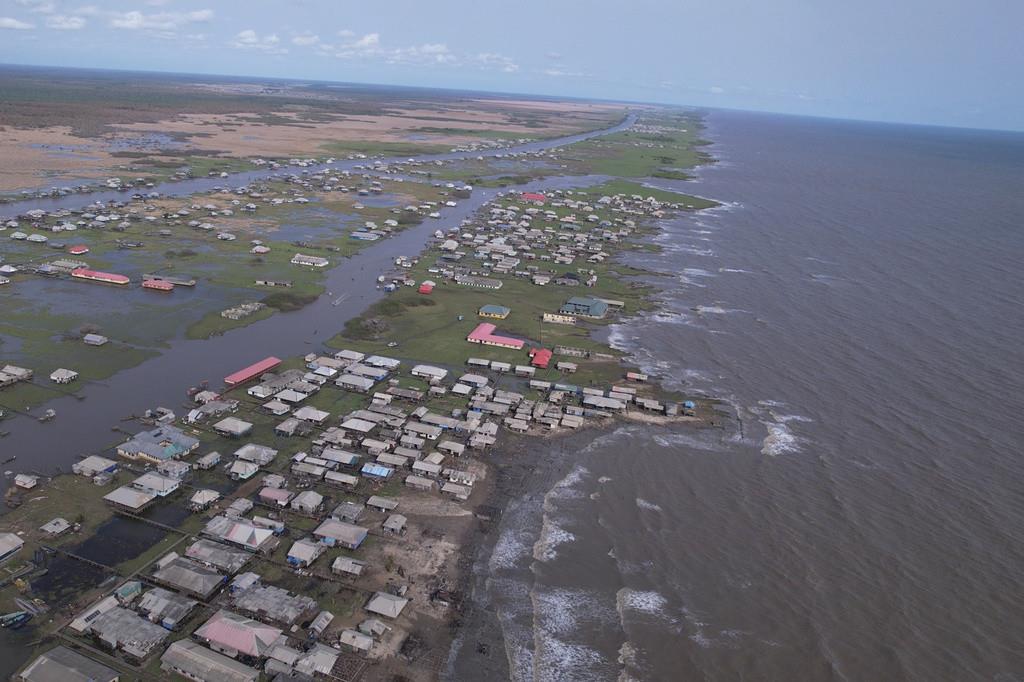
x: 262, y: 417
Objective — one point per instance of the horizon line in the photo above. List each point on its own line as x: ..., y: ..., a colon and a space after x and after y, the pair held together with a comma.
x: 527, y: 95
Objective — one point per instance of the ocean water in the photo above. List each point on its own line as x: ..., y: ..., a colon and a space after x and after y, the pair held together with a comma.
x: 859, y: 514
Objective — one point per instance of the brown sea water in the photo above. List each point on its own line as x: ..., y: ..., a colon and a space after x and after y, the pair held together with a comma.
x: 858, y: 304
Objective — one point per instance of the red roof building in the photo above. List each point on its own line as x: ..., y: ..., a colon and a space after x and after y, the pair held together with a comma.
x: 252, y: 371
x: 484, y: 334
x: 78, y: 249
x: 157, y: 284
x: 97, y: 276
x: 534, y: 197
x: 426, y: 288
x: 540, y: 357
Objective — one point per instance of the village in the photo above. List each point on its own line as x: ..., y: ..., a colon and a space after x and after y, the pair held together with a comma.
x: 325, y: 499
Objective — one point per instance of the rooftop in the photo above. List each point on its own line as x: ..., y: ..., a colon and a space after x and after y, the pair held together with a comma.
x: 62, y: 664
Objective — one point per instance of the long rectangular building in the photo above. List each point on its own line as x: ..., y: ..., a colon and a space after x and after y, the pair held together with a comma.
x: 252, y: 371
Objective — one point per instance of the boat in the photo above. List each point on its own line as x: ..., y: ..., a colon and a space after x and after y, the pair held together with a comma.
x: 48, y: 415
x: 15, y: 619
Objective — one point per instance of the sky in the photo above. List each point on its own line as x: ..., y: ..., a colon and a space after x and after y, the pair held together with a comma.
x: 941, y: 62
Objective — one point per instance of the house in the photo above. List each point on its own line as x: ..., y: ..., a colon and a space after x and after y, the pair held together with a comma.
x: 9, y: 545
x: 242, y: 471
x: 585, y: 307
x: 26, y: 481
x: 119, y: 629
x: 129, y: 499
x: 241, y: 533
x: 451, y: 447
x: 429, y: 372
x: 540, y: 357
x: 355, y: 640
x: 373, y: 627
x: 273, y: 603
x: 338, y: 533
x: 457, y: 491
x: 63, y: 376
x: 252, y: 371
x: 394, y: 524
x: 188, y: 576
x: 419, y: 482
x: 165, y: 608
x: 55, y: 527
x: 62, y: 663
x: 384, y: 504
x: 174, y: 468
x: 311, y: 414
x: 479, y: 282
x: 304, y: 552
x: 162, y: 443
x: 341, y: 480
x: 94, y: 464
x: 235, y: 635
x: 497, y: 312
x: 312, y: 261
x: 260, y: 455
x: 193, y: 661
x: 387, y: 605
x: 208, y: 461
x: 352, y: 382
x: 157, y: 484
x: 218, y: 556
x: 94, y: 339
x: 558, y: 318
x: 322, y: 621
x: 349, y: 512
x: 347, y: 565
x: 374, y: 470
x: 307, y: 502
x: 484, y: 334
x: 275, y: 496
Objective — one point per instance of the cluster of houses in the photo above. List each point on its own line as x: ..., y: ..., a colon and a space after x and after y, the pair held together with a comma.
x: 213, y: 216
x: 530, y: 234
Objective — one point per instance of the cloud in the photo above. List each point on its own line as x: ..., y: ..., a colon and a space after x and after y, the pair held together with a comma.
x: 554, y: 55
x: 716, y: 90
x: 14, y: 24
x: 250, y: 40
x: 305, y: 39
x: 161, y: 21
x: 61, y: 22
x: 87, y: 11
x: 493, y: 60
x: 38, y: 6
x: 368, y: 42
x: 559, y: 73
x: 345, y: 33
x: 371, y: 46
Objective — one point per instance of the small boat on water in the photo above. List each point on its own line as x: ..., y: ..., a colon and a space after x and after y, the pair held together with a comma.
x: 15, y: 619
x: 48, y: 415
